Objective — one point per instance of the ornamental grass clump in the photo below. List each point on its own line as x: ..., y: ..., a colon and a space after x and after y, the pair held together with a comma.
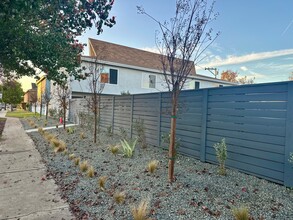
x: 119, y: 197
x: 140, y: 212
x: 114, y: 149
x: 91, y: 172
x: 152, y: 166
x: 102, y: 182
x: 128, y: 147
x: 221, y: 153
x: 40, y: 130
x: 71, y: 156
x: 241, y: 213
x: 55, y: 142
x: 82, y: 135
x: 84, y: 166
x: 61, y: 147
x: 76, y: 161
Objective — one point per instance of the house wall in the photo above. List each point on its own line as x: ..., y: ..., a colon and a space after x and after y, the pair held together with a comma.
x: 255, y: 120
x: 135, y: 81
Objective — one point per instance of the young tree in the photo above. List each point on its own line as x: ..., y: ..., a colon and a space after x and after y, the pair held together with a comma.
x: 63, y: 93
x: 96, y: 88
x: 183, y: 39
x: 41, y: 35
x: 47, y: 98
x: 12, y: 92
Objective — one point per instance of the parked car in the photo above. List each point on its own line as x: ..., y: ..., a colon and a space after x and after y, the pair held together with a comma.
x: 2, y: 106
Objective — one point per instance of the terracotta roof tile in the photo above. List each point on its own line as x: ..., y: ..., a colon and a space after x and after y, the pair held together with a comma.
x: 126, y: 55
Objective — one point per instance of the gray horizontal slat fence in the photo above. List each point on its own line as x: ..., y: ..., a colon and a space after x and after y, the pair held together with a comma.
x: 256, y: 121
x: 146, y: 107
x: 189, y: 117
x: 253, y: 121
x: 106, y: 114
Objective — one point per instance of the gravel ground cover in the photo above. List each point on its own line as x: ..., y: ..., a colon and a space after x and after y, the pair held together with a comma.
x: 199, y: 192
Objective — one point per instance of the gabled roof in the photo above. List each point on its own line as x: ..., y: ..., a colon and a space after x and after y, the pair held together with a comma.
x: 126, y: 55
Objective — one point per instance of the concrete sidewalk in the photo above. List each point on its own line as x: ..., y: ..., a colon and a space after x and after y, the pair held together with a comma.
x: 23, y: 193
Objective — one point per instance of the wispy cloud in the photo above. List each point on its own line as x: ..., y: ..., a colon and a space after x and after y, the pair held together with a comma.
x: 151, y: 49
x: 218, y: 61
x: 287, y: 28
x: 244, y: 68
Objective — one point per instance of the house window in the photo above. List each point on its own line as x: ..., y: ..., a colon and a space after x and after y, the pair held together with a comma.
x: 152, y: 81
x: 111, y: 77
x: 196, y: 85
x: 104, y: 77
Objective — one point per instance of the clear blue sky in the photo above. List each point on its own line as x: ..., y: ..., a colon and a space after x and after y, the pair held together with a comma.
x: 256, y: 35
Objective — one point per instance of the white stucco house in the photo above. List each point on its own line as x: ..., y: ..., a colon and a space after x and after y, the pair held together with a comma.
x: 125, y: 69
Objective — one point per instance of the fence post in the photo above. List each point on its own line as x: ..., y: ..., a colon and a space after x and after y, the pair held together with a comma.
x: 113, y: 107
x: 131, y: 115
x: 204, y: 125
x: 288, y: 167
x: 159, y: 118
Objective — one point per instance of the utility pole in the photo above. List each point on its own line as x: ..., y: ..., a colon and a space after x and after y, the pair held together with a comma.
x: 212, y: 69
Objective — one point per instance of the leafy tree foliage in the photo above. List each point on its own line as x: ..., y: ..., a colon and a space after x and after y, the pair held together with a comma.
x: 12, y: 92
x: 232, y: 76
x: 40, y: 35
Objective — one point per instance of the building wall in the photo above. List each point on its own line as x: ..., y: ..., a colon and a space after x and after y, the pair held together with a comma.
x: 135, y: 81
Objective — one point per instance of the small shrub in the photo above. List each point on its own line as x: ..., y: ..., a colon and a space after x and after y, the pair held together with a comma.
x: 140, y: 130
x: 84, y: 166
x: 241, y: 213
x: 221, y: 153
x: 109, y: 131
x: 102, y: 182
x: 152, y: 166
x: 57, y: 125
x: 71, y: 156
x: 36, y: 126
x: 128, y: 148
x: 45, y: 124
x: 76, y: 161
x: 114, y: 149
x: 119, y: 197
x: 140, y: 212
x: 70, y: 130
x: 65, y: 152
x: 91, y: 171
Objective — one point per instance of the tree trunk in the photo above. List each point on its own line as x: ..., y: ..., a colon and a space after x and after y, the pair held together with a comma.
x: 47, y: 108
x: 35, y: 108
x: 41, y: 109
x: 172, y: 150
x: 95, y: 118
x: 64, y: 113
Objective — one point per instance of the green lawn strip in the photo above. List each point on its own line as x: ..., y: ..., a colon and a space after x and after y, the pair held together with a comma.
x: 21, y: 114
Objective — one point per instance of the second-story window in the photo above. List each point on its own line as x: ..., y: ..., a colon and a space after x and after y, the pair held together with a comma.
x: 152, y: 81
x: 110, y: 77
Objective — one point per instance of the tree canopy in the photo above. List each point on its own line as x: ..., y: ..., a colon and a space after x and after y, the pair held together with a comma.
x: 232, y: 76
x: 40, y: 35
x: 12, y: 92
